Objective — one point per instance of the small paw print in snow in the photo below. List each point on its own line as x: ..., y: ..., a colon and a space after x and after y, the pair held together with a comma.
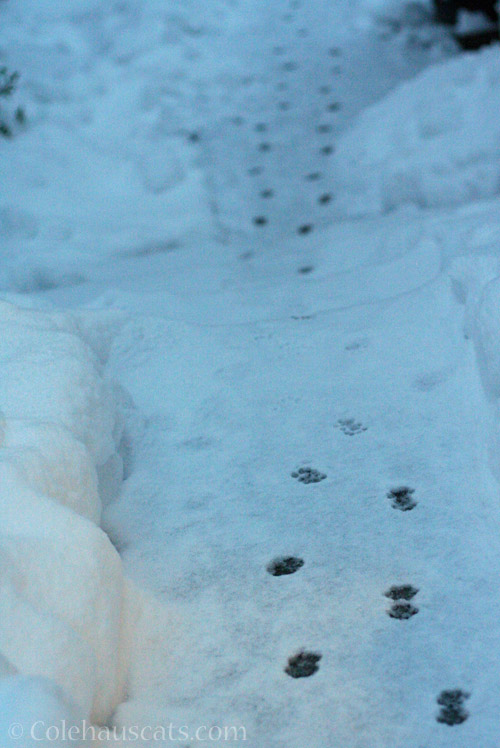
x: 306, y: 269
x: 357, y: 345
x: 350, y: 427
x: 430, y: 380
x: 306, y: 228
x: 303, y: 664
x: 452, y: 708
x: 402, y: 610
x: 334, y: 106
x: 264, y: 147
x: 285, y: 565
x: 260, y: 127
x: 260, y: 221
x: 266, y: 194
x: 322, y: 129
x: 314, y: 176
x: 401, y: 592
x: 254, y: 171
x: 402, y: 498
x: 325, y: 199
x: 327, y: 150
x: 308, y: 475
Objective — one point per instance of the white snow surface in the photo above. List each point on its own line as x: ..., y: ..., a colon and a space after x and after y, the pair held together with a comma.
x: 29, y: 707
x: 65, y: 606
x: 240, y: 240
x: 434, y: 142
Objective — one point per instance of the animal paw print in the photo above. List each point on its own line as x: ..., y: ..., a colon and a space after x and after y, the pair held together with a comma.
x: 402, y: 498
x: 285, y: 565
x: 303, y: 664
x: 401, y: 608
x: 452, y: 709
x: 308, y: 475
x: 350, y: 427
x: 401, y: 592
x: 356, y: 345
x: 402, y: 611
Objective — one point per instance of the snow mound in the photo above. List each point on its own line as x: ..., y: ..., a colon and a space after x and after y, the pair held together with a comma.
x: 434, y: 141
x: 28, y: 707
x: 66, y: 610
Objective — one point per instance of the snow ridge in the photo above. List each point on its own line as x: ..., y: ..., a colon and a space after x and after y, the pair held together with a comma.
x: 66, y: 610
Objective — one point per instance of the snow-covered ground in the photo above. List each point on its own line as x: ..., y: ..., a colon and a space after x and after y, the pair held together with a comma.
x: 250, y: 318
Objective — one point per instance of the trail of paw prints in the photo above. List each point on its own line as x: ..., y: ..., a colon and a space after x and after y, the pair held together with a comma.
x: 350, y: 427
x: 308, y: 475
x: 303, y: 664
x: 452, y: 707
x: 287, y: 67
x: 402, y: 609
x: 402, y: 498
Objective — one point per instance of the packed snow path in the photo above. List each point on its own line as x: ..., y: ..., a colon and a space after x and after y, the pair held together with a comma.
x: 378, y: 398
x: 289, y: 79
x: 309, y: 401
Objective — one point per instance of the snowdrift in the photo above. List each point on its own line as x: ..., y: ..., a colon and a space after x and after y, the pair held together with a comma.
x: 476, y: 282
x: 66, y: 611
x: 433, y: 142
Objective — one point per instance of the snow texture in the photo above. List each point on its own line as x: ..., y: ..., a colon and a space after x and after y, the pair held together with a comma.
x: 65, y: 606
x: 431, y: 143
x: 272, y: 401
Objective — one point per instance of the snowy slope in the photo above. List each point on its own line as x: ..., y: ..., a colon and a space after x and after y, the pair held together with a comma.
x: 272, y: 231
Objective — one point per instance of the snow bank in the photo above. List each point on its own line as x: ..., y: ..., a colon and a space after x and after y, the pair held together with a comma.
x: 65, y: 608
x: 476, y: 282
x: 369, y: 12
x: 434, y: 141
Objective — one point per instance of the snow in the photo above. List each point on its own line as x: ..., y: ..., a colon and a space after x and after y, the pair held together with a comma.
x: 23, y: 701
x: 432, y: 143
x: 66, y: 609
x: 243, y: 241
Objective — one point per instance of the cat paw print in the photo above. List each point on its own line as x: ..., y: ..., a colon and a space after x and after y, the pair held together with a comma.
x: 402, y: 611
x: 402, y: 498
x: 284, y: 565
x: 350, y: 427
x: 303, y: 664
x: 402, y: 608
x: 308, y: 475
x: 452, y: 707
x: 358, y: 344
